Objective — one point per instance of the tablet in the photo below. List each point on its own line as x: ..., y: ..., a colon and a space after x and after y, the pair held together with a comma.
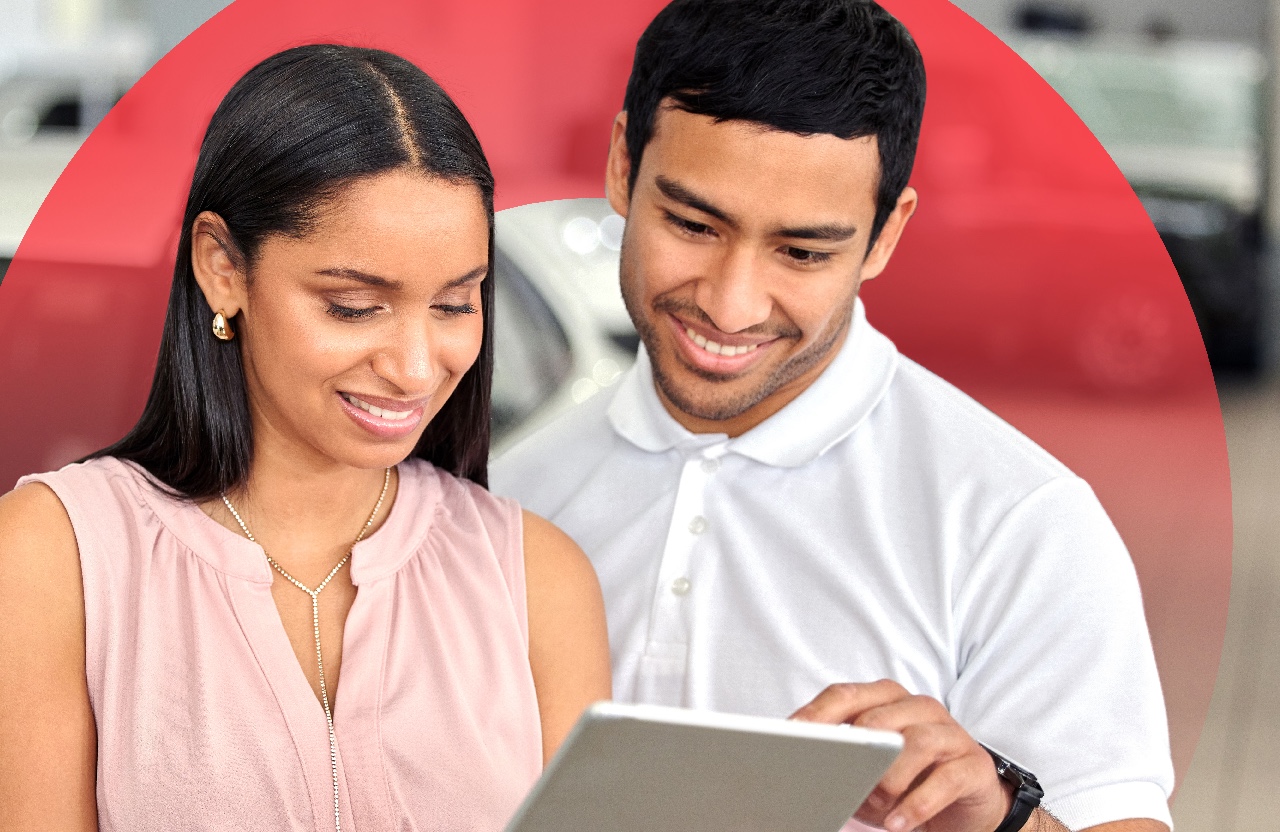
x: 644, y: 768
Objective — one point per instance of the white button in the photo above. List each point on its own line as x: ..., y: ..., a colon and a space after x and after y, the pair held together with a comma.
x: 698, y: 525
x: 681, y: 586
x: 710, y: 466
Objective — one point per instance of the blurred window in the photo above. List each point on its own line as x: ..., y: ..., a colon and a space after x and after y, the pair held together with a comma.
x: 61, y: 115
x: 4, y: 267
x: 532, y: 355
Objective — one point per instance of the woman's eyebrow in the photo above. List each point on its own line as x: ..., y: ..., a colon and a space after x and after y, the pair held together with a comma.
x: 474, y: 274
x: 362, y: 277
x: 386, y: 283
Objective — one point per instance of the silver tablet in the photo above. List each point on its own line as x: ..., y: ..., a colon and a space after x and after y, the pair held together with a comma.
x: 643, y: 768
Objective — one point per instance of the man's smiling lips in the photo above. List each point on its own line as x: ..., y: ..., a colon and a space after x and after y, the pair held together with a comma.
x: 718, y: 352
x: 383, y: 417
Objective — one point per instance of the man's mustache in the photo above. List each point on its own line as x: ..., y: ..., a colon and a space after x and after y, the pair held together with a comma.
x: 691, y: 311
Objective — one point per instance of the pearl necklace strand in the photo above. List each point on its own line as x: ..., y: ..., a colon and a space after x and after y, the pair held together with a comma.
x: 315, y: 625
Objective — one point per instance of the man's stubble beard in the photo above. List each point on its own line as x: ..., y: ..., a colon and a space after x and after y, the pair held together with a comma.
x: 723, y: 409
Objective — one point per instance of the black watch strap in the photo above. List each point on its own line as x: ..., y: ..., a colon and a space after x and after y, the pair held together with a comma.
x: 1026, y: 792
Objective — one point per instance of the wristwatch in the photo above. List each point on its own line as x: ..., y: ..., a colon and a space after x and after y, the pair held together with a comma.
x: 1026, y: 792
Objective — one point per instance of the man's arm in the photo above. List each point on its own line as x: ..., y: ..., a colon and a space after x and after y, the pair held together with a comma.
x: 943, y: 777
x: 1042, y: 821
x: 1134, y: 825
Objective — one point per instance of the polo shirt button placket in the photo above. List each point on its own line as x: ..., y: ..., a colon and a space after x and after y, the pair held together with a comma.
x: 673, y: 616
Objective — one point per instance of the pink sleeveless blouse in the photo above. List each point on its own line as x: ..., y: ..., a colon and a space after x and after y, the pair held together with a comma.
x: 205, y: 720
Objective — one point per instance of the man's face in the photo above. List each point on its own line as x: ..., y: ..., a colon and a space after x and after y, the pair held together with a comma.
x: 743, y: 253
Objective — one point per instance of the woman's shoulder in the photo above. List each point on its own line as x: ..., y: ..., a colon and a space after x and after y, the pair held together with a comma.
x: 462, y: 516
x: 96, y: 490
x: 456, y: 497
x: 43, y: 642
x: 97, y: 473
x: 551, y: 555
x: 32, y: 512
x: 39, y: 554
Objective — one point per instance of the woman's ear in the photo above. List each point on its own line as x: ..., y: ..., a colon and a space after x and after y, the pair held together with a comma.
x: 217, y: 264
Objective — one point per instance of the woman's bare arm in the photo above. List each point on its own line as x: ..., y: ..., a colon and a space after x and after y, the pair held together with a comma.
x: 568, y: 640
x: 48, y: 742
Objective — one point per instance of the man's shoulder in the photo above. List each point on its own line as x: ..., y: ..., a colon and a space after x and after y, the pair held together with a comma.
x: 543, y: 467
x: 948, y: 426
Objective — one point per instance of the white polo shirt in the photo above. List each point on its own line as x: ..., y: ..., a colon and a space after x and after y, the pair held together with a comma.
x: 881, y: 525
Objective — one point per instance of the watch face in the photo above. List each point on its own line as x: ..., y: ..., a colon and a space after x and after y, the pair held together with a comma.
x: 1010, y: 772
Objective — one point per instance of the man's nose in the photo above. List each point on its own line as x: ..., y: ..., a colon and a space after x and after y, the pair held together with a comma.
x: 734, y: 292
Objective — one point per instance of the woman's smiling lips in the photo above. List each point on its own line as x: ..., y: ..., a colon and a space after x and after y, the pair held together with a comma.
x: 384, y: 418
x: 717, y: 352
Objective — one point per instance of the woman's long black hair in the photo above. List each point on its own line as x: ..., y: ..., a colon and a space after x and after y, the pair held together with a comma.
x: 290, y: 134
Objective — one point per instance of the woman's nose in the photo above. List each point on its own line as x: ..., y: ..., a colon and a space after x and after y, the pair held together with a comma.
x: 408, y: 360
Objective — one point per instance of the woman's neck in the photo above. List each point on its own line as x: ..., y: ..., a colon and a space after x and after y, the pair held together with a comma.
x: 306, y: 516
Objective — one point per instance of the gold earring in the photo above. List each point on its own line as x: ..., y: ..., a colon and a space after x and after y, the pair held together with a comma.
x: 221, y: 329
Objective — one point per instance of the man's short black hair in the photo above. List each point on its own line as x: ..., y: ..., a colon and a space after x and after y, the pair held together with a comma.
x: 844, y: 67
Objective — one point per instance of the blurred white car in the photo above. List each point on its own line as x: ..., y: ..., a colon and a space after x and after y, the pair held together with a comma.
x: 28, y: 170
x: 1184, y: 121
x: 562, y: 333
x: 52, y: 93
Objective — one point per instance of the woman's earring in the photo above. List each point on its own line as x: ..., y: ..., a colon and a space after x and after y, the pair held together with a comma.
x: 221, y: 329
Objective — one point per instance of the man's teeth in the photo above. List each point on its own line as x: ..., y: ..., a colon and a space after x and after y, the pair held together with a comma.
x: 718, y: 349
x: 390, y: 415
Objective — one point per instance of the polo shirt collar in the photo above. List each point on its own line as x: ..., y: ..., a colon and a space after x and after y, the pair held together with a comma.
x: 819, y: 418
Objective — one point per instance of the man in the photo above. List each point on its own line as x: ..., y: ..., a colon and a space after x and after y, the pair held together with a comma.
x: 779, y: 505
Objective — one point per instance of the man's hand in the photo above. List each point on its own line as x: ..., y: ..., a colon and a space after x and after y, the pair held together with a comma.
x: 942, y: 778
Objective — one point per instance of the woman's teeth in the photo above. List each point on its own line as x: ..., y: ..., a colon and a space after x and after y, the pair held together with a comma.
x: 717, y: 349
x: 389, y: 415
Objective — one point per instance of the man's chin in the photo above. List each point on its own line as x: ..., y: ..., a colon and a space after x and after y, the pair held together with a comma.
x: 728, y: 404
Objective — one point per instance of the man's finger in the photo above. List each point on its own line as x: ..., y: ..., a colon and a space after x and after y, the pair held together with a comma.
x: 912, y: 710
x: 946, y: 784
x: 924, y: 747
x: 845, y: 702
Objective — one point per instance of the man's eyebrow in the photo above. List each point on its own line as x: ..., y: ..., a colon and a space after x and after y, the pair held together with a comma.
x: 674, y: 190
x: 830, y: 233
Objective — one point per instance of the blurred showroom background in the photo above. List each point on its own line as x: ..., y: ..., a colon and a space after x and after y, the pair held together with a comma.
x: 1181, y: 94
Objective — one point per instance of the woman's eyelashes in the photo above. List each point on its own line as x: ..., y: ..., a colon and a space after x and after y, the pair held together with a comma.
x: 349, y: 313
x: 456, y: 309
x: 450, y: 301
x: 458, y: 300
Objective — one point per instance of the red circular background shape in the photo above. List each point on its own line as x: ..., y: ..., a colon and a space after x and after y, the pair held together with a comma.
x: 1030, y: 277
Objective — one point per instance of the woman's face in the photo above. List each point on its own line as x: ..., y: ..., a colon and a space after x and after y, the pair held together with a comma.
x: 354, y: 335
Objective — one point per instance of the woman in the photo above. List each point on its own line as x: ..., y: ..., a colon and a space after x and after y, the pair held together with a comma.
x: 285, y: 599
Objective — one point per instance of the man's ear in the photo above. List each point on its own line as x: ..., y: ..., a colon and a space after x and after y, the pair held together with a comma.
x: 887, y: 242
x: 218, y: 266
x: 617, y: 177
